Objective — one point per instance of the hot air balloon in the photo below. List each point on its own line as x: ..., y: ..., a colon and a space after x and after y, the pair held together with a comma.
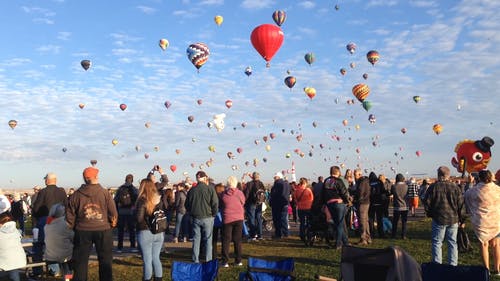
x: 361, y: 91
x: 352, y: 64
x: 310, y: 92
x: 343, y: 71
x: 178, y: 151
x: 163, y: 44
x: 416, y: 99
x: 218, y: 121
x: 211, y: 148
x: 267, y: 40
x: 137, y: 148
x: 244, y: 124
x: 86, y: 64
x: 64, y: 149
x: 147, y: 125
x: 345, y: 122
x: 310, y: 58
x: 290, y: 82
x: 190, y: 118
x: 265, y: 138
x: 218, y: 20
x: 199, y: 101
x: 156, y: 148
x: 279, y: 17
x: 367, y: 105
x: 272, y: 135
x: 373, y: 57
x: 146, y: 155
x: 337, y: 7
x: 230, y: 155
x: 239, y: 150
x: 173, y: 168
x: 229, y: 103
x: 403, y: 130
x: 268, y: 147
x: 114, y: 142
x: 248, y: 71
x: 437, y: 128
x: 357, y: 127
x: 168, y: 104
x: 81, y: 105
x: 288, y: 155
x: 365, y: 76
x: 418, y: 153
x: 351, y: 47
x: 315, y: 124
x: 198, y: 54
x: 123, y: 106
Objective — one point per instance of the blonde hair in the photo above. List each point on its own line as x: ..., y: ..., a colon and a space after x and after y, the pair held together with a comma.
x: 149, y: 193
x: 232, y: 182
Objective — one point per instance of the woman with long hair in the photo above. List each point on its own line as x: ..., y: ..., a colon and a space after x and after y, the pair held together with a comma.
x: 304, y: 197
x: 149, y: 201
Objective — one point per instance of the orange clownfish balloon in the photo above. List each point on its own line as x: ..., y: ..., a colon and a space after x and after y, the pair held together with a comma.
x: 472, y: 156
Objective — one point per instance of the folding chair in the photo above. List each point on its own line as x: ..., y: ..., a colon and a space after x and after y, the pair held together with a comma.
x: 440, y: 272
x: 186, y: 271
x: 264, y: 270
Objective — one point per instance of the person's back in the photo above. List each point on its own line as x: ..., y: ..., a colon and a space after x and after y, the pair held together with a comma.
x: 58, y: 237
x: 46, y: 198
x: 444, y: 202
x: 12, y: 254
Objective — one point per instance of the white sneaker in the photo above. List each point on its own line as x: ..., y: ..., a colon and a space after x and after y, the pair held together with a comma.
x: 185, y: 240
x: 240, y: 264
x: 225, y: 265
x: 176, y: 240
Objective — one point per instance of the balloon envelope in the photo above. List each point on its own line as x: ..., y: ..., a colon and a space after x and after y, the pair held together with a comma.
x: 373, y: 57
x: 168, y: 104
x: 267, y: 40
x: 218, y: 20
x: 198, y: 54
x: 361, y: 91
x: 437, y: 128
x: 416, y: 99
x: 279, y: 17
x: 81, y: 105
x: 310, y: 58
x: 86, y: 64
x: 310, y: 92
x: 248, y: 71
x: 163, y: 44
x: 290, y: 82
x: 123, y: 106
x: 351, y: 47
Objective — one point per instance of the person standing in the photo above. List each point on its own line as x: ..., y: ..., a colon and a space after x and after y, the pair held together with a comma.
x: 379, y: 197
x: 45, y: 199
x: 304, y: 197
x: 149, y: 202
x: 18, y: 211
x: 253, y: 209
x: 444, y: 203
x: 482, y: 202
x: 125, y: 199
x: 202, y: 204
x: 400, y: 198
x: 336, y: 197
x: 362, y: 201
x: 413, y: 196
x: 233, y: 213
x: 279, y: 199
x: 92, y: 214
x: 180, y: 211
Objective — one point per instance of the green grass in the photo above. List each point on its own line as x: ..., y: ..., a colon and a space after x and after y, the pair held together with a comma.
x: 309, y: 261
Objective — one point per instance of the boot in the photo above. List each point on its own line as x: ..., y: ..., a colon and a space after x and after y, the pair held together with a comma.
x: 158, y: 279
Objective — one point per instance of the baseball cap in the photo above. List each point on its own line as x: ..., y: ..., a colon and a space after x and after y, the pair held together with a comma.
x: 90, y: 173
x: 278, y: 175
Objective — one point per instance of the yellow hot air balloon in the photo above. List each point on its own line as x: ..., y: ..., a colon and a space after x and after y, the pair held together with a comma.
x: 361, y: 91
x: 114, y: 141
x: 211, y: 148
x: 268, y: 147
x: 437, y: 128
x: 310, y: 92
x: 12, y: 124
x: 218, y: 20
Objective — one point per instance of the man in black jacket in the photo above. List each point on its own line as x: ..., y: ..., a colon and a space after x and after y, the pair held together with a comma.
x: 125, y: 199
x: 279, y: 200
x: 253, y: 208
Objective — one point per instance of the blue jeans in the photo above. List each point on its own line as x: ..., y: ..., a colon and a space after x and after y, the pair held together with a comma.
x: 13, y: 274
x: 280, y: 221
x: 151, y: 245
x: 304, y: 219
x: 250, y: 214
x: 439, y: 233
x: 338, y: 210
x: 202, y: 232
x: 39, y: 245
x: 179, y: 226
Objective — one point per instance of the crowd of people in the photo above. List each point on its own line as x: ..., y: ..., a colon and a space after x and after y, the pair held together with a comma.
x: 67, y: 225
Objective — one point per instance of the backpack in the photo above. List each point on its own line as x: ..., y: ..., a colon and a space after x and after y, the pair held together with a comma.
x: 125, y: 198
x: 158, y: 220
x: 260, y: 196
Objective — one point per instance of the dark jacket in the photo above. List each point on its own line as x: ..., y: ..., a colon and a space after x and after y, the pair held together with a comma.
x: 91, y: 208
x: 378, y: 194
x: 202, y: 201
x: 180, y: 199
x: 142, y: 217
x: 444, y: 203
x: 46, y: 198
x: 130, y: 190
x: 251, y: 192
x: 334, y: 188
x: 362, y: 193
x: 280, y: 194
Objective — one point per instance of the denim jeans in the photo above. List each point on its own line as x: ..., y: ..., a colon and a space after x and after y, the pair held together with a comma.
x: 130, y: 222
x: 151, y: 245
x: 338, y: 210
x: 439, y: 233
x: 202, y: 232
x: 83, y: 241
x: 39, y: 245
x: 13, y: 274
x: 304, y: 218
x: 280, y: 221
x: 178, y: 226
x: 250, y: 214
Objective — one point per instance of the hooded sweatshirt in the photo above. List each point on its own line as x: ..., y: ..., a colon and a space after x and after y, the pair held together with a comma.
x: 91, y: 208
x: 12, y: 254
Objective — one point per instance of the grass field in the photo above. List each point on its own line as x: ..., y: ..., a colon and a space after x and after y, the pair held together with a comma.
x: 309, y: 261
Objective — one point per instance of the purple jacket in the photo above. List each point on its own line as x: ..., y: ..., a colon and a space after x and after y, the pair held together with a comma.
x: 233, y: 201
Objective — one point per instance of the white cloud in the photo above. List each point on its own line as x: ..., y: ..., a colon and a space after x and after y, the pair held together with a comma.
x: 212, y: 2
x: 382, y: 3
x: 185, y: 13
x: 16, y: 62
x: 37, y: 10
x: 257, y: 4
x: 63, y: 35
x: 43, y: 20
x: 307, y: 4
x: 49, y: 49
x: 147, y: 10
x: 307, y: 31
x: 423, y: 4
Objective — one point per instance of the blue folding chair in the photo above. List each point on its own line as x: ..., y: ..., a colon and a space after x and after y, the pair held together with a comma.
x: 264, y: 270
x: 186, y: 271
x: 440, y: 272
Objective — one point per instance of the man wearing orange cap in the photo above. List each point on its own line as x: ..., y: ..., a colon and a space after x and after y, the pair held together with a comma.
x: 92, y: 214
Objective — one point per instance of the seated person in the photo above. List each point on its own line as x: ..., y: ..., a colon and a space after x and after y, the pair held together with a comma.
x: 58, y: 241
x: 12, y: 255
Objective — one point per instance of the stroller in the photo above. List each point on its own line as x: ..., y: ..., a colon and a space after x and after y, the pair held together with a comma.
x: 318, y: 228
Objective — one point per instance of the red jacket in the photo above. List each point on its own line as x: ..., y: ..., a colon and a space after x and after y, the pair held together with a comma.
x: 304, y: 197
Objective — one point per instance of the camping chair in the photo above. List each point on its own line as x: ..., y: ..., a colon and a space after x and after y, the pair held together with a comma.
x: 389, y: 264
x: 264, y: 270
x: 186, y: 271
x: 435, y: 271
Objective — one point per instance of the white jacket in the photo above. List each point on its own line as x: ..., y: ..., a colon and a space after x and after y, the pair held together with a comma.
x: 58, y: 241
x: 12, y: 254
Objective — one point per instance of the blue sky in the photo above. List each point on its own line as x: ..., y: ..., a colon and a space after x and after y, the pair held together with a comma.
x: 443, y: 51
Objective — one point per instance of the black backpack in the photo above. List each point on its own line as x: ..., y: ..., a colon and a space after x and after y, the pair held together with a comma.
x: 125, y: 199
x: 158, y: 220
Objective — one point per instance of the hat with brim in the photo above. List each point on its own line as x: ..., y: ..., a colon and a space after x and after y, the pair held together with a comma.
x: 484, y: 144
